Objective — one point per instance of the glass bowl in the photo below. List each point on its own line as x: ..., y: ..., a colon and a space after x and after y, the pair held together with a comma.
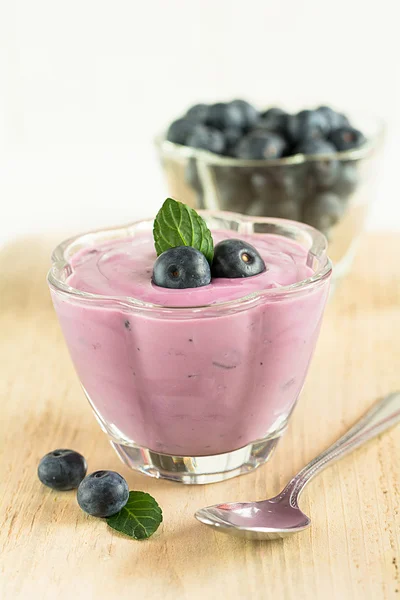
x: 194, y: 394
x: 329, y: 192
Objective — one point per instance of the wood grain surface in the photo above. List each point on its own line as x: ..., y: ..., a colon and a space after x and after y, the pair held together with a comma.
x: 50, y: 549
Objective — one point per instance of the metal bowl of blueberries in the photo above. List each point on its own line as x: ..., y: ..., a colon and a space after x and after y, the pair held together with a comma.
x: 317, y: 166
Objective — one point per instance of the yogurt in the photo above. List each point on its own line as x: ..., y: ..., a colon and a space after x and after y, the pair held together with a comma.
x: 192, y: 372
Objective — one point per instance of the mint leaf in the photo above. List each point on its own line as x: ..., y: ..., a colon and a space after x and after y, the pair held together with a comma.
x: 140, y: 517
x: 179, y: 225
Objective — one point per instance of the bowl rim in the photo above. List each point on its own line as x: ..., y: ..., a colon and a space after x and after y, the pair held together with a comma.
x: 317, y: 249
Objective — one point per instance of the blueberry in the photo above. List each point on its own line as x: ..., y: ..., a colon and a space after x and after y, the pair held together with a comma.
x: 103, y: 493
x: 347, y: 180
x: 260, y: 145
x: 62, y: 469
x: 346, y: 138
x: 260, y: 207
x: 277, y: 192
x: 206, y: 138
x: 180, y: 268
x: 323, y: 171
x: 274, y: 119
x: 236, y: 258
x: 232, y: 187
x: 261, y: 181
x: 250, y: 114
x: 305, y: 125
x: 333, y: 119
x: 315, y: 146
x: 198, y: 113
x: 261, y: 191
x: 232, y: 136
x: 285, y: 178
x: 223, y: 115
x: 324, y: 211
x: 264, y: 207
x: 179, y: 131
x: 289, y: 209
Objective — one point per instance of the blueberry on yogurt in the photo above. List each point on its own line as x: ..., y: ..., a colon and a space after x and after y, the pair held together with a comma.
x: 180, y: 268
x: 236, y: 258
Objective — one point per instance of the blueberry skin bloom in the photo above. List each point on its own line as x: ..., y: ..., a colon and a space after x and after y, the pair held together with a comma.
x: 62, y: 469
x: 347, y: 138
x: 207, y: 138
x: 179, y: 131
x: 180, y: 268
x: 103, y: 493
x: 260, y: 144
x: 236, y: 258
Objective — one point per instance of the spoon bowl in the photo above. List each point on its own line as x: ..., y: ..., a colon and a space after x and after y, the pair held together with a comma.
x: 267, y: 519
x: 280, y: 516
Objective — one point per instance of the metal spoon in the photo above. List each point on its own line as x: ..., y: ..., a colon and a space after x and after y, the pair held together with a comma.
x: 281, y: 515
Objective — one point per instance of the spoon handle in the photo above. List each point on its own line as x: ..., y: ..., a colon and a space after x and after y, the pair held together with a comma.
x: 383, y: 414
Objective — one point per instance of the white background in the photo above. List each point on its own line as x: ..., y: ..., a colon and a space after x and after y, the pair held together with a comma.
x: 86, y: 84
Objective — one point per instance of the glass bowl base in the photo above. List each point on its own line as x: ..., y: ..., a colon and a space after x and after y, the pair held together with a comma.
x: 198, y: 469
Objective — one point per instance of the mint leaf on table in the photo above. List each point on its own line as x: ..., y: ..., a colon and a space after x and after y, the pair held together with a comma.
x: 179, y: 225
x: 140, y: 517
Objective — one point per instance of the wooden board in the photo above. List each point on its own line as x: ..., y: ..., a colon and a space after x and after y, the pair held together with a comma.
x: 50, y: 549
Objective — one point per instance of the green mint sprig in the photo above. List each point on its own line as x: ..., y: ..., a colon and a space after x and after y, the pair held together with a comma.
x: 139, y: 518
x: 179, y: 225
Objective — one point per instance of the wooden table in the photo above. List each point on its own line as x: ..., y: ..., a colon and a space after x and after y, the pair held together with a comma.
x: 50, y: 549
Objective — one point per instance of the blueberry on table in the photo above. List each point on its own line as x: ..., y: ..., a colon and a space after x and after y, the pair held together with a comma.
x: 180, y: 268
x: 250, y: 114
x: 347, y: 138
x: 305, y: 125
x: 179, y: 131
x: 236, y: 258
x: 206, y: 138
x: 260, y: 145
x: 223, y: 115
x: 324, y: 211
x: 103, y: 493
x: 62, y: 469
x: 198, y: 113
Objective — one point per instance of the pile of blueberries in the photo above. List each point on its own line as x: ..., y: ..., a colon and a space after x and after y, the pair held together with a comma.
x: 315, y: 191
